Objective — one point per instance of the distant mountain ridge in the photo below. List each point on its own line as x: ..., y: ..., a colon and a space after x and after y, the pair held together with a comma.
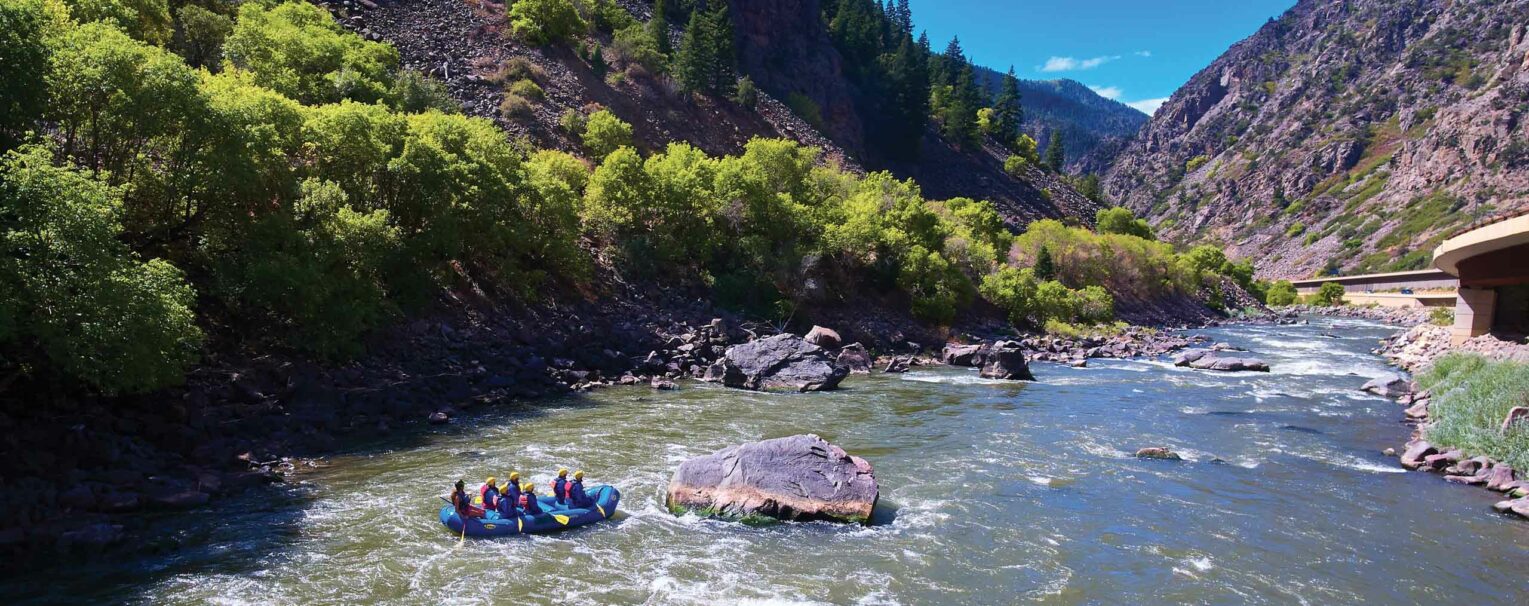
x: 1345, y: 136
x: 1094, y: 128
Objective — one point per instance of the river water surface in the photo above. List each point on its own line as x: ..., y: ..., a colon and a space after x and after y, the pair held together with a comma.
x: 991, y: 493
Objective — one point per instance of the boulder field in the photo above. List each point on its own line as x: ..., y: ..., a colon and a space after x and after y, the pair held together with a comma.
x: 801, y: 477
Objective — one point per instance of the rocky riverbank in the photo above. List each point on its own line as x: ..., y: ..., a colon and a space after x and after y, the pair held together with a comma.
x: 1457, y: 466
x: 1400, y: 316
x: 1419, y: 346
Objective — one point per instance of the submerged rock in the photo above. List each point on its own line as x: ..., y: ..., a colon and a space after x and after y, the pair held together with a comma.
x: 800, y: 477
x: 1158, y: 452
x: 781, y: 362
x: 1416, y: 450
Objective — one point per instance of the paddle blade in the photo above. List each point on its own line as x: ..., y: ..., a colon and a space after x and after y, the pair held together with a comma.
x: 560, y: 519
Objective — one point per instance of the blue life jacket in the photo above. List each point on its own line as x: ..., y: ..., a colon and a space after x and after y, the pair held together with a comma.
x: 577, y: 496
x: 529, y: 505
x: 489, y: 495
x: 507, y: 506
x: 511, y: 494
x: 560, y: 489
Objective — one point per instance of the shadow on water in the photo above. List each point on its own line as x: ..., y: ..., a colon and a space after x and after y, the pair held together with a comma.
x: 237, y: 534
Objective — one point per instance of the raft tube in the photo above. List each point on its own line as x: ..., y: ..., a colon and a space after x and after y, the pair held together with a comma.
x: 553, y: 517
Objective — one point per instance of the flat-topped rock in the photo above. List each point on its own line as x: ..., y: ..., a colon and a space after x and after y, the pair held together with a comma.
x: 783, y: 362
x: 801, y: 477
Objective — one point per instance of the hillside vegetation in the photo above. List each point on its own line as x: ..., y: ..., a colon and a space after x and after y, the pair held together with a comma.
x: 305, y: 190
x: 1345, y: 136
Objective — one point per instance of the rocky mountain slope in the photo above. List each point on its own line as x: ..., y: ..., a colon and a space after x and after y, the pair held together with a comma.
x: 1346, y: 135
x: 781, y: 45
x: 1094, y: 129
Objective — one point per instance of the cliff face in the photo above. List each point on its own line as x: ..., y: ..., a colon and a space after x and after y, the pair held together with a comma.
x: 1347, y: 135
x: 782, y: 44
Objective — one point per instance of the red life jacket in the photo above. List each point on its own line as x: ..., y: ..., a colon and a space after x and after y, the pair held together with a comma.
x: 523, y: 497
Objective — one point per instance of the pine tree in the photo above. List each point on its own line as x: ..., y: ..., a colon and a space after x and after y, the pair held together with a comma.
x: 658, y: 28
x: 1008, y: 111
x: 902, y: 17
x: 1055, y: 156
x: 1045, y: 267
x: 690, y: 60
x: 906, y: 100
x: 960, y: 111
x: 722, y: 58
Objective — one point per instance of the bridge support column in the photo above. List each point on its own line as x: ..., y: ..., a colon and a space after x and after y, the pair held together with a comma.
x: 1474, y: 308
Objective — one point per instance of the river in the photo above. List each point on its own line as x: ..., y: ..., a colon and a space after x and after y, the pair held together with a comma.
x: 991, y: 493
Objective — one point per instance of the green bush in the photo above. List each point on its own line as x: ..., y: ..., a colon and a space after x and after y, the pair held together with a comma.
x: 1027, y: 149
x: 1015, y: 165
x: 527, y: 90
x: 296, y: 49
x: 1330, y: 294
x: 1471, y: 397
x: 23, y: 92
x: 1195, y: 163
x: 1029, y: 300
x: 573, y: 122
x: 635, y: 46
x: 1281, y: 292
x: 1295, y: 230
x: 74, y: 295
x: 414, y: 92
x: 515, y: 108
x: 1120, y: 220
x: 605, y: 133
x: 541, y: 22
x: 805, y: 108
x: 746, y: 94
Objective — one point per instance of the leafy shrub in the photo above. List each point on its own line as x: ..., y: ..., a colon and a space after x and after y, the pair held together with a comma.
x: 1441, y: 316
x: 73, y: 294
x: 1027, y: 149
x: 22, y: 89
x: 541, y: 22
x: 1036, y: 302
x: 1330, y: 293
x: 414, y: 92
x: 1195, y: 163
x: 805, y: 108
x: 746, y: 94
x: 634, y: 45
x: 1120, y: 220
x: 1015, y: 165
x: 515, y: 108
x: 1295, y: 229
x: 514, y: 69
x: 528, y: 90
x: 297, y: 49
x: 573, y: 122
x: 605, y: 133
x: 1281, y: 292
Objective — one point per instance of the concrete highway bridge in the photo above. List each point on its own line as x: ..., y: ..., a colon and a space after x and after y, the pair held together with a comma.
x: 1492, y: 264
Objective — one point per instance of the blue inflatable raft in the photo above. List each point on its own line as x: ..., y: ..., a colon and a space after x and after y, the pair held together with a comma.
x: 553, y: 517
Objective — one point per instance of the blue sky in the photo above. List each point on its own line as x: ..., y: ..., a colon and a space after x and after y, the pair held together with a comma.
x: 1135, y: 51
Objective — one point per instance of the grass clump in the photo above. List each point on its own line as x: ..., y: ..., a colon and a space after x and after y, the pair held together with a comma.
x: 527, y: 89
x: 1471, y: 397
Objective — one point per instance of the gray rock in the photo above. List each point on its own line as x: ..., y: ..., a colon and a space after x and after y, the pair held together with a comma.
x: 1158, y: 452
x: 826, y: 338
x: 1006, y: 360
x: 1389, y: 386
x: 1229, y: 364
x: 439, y: 417
x: 1517, y: 414
x: 1189, y: 356
x: 800, y: 477
x: 855, y: 358
x: 782, y: 362
x: 956, y: 354
x: 1501, y: 477
x: 898, y: 364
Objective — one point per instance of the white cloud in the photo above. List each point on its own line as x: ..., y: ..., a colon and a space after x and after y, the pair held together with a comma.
x: 1067, y: 64
x: 1108, y: 92
x: 1148, y: 106
x: 1143, y: 53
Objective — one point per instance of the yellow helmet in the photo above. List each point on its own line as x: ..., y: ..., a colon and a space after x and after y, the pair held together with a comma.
x: 514, y: 475
x: 528, y: 487
x: 578, y: 475
x: 489, y: 481
x: 562, y: 472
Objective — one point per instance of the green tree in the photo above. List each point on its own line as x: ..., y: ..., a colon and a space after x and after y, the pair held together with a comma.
x: 414, y: 92
x: 542, y: 22
x: 1045, y: 266
x: 73, y: 295
x: 145, y: 20
x: 960, y: 110
x: 297, y: 49
x: 200, y: 36
x: 634, y: 46
x: 1281, y: 292
x: 605, y: 133
x: 1330, y: 294
x: 1056, y: 158
x: 658, y: 29
x: 23, y: 92
x: 1007, y: 111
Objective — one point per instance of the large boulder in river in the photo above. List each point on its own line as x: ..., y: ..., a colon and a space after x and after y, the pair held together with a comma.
x: 800, y: 477
x: 781, y: 362
x: 956, y: 354
x: 855, y: 358
x: 1210, y: 359
x: 1006, y: 360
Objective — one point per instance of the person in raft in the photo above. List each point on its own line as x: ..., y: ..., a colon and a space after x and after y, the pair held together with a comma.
x: 560, y: 488
x: 528, y: 502
x: 490, y: 493
x: 509, y: 500
x: 576, y: 496
x: 463, y: 503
